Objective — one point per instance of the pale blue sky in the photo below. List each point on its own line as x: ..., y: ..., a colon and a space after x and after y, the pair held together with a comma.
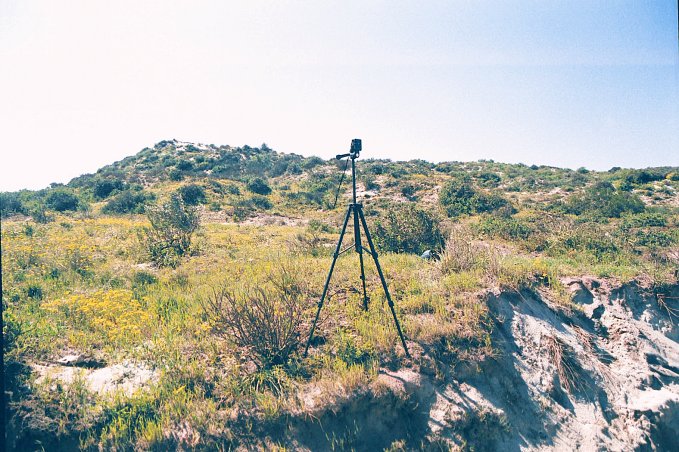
x: 565, y: 83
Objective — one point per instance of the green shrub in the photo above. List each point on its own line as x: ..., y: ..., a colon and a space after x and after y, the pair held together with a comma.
x: 40, y: 215
x: 127, y: 202
x: 653, y: 238
x: 640, y: 177
x: 172, y: 226
x: 488, y: 179
x: 103, y: 188
x: 143, y: 278
x: 175, y: 175
x: 591, y: 238
x: 243, y: 208
x: 185, y: 165
x: 406, y: 228
x: 458, y: 197
x: 192, y: 194
x: 62, y: 199
x: 10, y: 204
x: 261, y: 202
x: 603, y: 199
x: 646, y: 219
x: 35, y: 292
x: 408, y: 191
x: 312, y: 162
x: 232, y: 189
x: 259, y: 186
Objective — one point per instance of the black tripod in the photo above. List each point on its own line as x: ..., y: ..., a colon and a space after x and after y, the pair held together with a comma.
x: 359, y: 220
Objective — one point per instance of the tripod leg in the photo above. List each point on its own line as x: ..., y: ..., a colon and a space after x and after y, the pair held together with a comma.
x: 384, y: 281
x: 359, y: 250
x: 327, y: 281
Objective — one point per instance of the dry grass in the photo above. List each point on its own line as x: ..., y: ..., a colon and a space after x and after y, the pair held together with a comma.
x: 564, y: 360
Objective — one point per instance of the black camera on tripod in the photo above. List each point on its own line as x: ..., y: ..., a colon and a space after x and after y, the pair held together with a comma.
x: 354, y: 151
x: 355, y: 148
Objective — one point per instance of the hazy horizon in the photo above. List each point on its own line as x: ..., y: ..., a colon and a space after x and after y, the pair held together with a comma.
x: 577, y: 84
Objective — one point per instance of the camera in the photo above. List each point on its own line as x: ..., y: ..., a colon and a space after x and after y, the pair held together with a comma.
x: 354, y: 151
x: 355, y: 147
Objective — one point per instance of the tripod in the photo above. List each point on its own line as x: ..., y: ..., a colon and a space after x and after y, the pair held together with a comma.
x: 355, y: 210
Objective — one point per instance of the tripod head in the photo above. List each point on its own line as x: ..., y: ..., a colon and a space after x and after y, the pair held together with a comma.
x: 354, y: 151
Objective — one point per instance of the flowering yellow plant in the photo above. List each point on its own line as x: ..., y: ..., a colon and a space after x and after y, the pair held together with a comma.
x: 115, y: 314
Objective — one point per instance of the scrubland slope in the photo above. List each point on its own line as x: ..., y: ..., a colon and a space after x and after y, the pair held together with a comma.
x: 546, y: 320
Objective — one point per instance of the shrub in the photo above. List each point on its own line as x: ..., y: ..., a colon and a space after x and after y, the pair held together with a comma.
x: 458, y: 197
x: 405, y: 228
x: 653, y: 239
x: 259, y: 186
x: 261, y: 202
x: 506, y: 228
x: 175, y: 175
x: 603, y: 199
x: 639, y: 177
x: 488, y: 179
x: 243, y: 208
x: 591, y: 238
x: 408, y: 191
x: 312, y: 162
x: 265, y: 322
x: 172, y: 226
x: 10, y: 204
x: 192, y: 194
x: 40, y: 215
x: 646, y: 219
x: 62, y: 199
x: 103, y: 188
x: 369, y: 182
x: 127, y: 202
x: 34, y: 291
x: 232, y: 189
x: 185, y: 165
x: 143, y: 278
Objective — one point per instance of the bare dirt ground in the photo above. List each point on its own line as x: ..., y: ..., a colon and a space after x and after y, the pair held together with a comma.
x: 126, y: 377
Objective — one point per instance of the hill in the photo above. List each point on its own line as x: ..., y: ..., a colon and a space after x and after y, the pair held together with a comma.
x: 163, y: 303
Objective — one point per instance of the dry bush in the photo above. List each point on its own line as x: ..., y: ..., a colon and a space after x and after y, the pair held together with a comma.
x: 459, y: 254
x: 266, y: 322
x: 462, y: 254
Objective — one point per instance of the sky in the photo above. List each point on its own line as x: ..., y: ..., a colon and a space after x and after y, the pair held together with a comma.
x: 573, y: 83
